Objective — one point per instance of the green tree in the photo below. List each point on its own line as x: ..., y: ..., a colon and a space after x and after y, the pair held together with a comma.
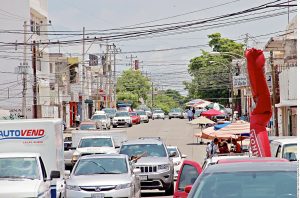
x: 211, y: 73
x: 175, y: 95
x: 165, y: 102
x: 132, y: 85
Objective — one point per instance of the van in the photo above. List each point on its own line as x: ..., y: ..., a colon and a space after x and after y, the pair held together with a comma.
x: 44, y: 137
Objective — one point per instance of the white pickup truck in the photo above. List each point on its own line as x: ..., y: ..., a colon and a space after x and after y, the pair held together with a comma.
x: 33, y: 151
x: 96, y: 142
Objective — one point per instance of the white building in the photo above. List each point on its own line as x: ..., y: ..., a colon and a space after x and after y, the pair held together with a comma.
x: 24, y: 21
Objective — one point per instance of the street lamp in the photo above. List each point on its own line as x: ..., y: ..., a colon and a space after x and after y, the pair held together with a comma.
x: 231, y: 80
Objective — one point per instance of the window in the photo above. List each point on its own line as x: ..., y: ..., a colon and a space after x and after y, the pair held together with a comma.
x: 154, y: 150
x: 188, y: 176
x: 51, y: 68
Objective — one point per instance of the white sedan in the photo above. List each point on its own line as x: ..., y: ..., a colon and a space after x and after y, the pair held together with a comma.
x: 177, y: 160
x: 158, y: 114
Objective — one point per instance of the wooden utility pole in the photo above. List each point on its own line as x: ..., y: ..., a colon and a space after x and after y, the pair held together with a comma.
x: 82, y: 79
x: 275, y: 115
x: 24, y: 72
x: 152, y: 95
x: 131, y: 62
x: 34, y: 80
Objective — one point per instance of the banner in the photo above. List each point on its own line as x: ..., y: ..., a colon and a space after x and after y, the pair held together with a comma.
x: 261, y: 114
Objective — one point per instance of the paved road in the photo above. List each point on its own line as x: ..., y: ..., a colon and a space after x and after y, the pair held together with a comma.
x: 173, y: 132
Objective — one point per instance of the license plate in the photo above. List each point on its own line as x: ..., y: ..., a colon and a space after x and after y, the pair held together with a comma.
x: 98, y: 195
x: 143, y: 177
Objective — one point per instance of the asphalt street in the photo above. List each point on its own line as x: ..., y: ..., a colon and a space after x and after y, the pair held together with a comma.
x: 173, y: 132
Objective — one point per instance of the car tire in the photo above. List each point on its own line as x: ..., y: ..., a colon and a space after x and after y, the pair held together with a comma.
x: 114, y: 126
x: 170, y: 190
x: 130, y: 125
x: 170, y: 118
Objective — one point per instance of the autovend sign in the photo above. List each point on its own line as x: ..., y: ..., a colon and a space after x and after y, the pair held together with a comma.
x: 28, y: 135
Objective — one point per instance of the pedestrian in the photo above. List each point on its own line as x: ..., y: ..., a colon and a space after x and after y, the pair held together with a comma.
x: 190, y: 114
x: 223, y: 147
x: 77, y: 119
x: 212, y: 148
x: 194, y: 111
x: 237, y: 146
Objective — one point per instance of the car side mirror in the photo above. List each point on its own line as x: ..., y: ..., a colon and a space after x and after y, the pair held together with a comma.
x: 54, y: 174
x: 172, y: 154
x: 184, y: 156
x: 188, y: 189
x: 136, y: 171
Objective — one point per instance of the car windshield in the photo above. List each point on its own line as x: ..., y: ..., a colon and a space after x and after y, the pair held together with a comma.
x: 133, y: 114
x: 153, y: 150
x: 171, y: 150
x: 98, y: 117
x: 101, y: 166
x: 141, y: 112
x: 262, y: 184
x: 290, y: 152
x: 122, y: 114
x: 158, y: 111
x: 87, y: 127
x: 95, y: 142
x: 175, y: 110
x: 21, y: 167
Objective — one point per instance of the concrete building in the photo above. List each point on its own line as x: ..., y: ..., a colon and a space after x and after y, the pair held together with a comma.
x: 29, y: 19
x: 284, y: 50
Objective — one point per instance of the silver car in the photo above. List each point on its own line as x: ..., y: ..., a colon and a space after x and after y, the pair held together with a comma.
x: 105, y: 175
x: 102, y: 121
x: 154, y: 161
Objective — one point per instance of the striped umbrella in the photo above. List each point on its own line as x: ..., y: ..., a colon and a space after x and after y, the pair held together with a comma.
x: 239, y: 127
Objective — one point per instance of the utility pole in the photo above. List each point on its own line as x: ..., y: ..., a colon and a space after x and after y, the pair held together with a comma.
x: 82, y: 79
x: 24, y: 72
x: 106, y: 77
x: 131, y: 57
x: 115, y: 79
x: 275, y: 116
x: 232, y: 91
x: 246, y: 40
x: 152, y: 104
x: 34, y: 80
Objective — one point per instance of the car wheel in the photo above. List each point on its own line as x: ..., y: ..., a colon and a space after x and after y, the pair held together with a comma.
x: 170, y: 190
x: 170, y: 118
x: 114, y: 126
x: 152, y: 118
x: 130, y: 125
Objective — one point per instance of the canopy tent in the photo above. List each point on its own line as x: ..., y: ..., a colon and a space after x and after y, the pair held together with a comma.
x: 216, y: 106
x: 220, y: 126
x: 201, y: 120
x: 238, y: 127
x: 210, y: 133
x: 211, y: 112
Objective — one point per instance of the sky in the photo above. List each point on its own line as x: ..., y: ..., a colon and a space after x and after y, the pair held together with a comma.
x: 168, y: 69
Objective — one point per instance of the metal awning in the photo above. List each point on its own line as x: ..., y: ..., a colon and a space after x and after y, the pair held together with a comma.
x: 287, y: 103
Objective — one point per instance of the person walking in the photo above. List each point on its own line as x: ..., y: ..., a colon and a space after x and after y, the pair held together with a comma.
x: 77, y: 120
x: 194, y: 111
x: 190, y: 114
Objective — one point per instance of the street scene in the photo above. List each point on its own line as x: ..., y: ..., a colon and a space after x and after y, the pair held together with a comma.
x: 181, y: 99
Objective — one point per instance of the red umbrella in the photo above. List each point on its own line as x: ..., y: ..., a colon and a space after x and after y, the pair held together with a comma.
x: 211, y: 112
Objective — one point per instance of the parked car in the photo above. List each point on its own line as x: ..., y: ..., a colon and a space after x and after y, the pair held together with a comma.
x: 155, y: 163
x: 248, y: 179
x: 176, y: 113
x: 101, y: 176
x: 213, y: 160
x: 110, y: 112
x: 143, y: 116
x: 122, y: 118
x: 188, y: 174
x: 284, y: 148
x: 135, y: 118
x: 158, y: 114
x: 87, y: 125
x: 68, y: 152
x: 102, y: 121
x: 177, y: 159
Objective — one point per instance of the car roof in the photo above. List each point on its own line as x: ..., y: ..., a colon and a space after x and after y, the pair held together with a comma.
x: 103, y: 156
x: 143, y: 141
x: 172, y: 147
x: 286, y: 141
x: 18, y: 154
x: 251, y: 159
x: 96, y: 136
x: 215, y: 159
x: 251, y: 166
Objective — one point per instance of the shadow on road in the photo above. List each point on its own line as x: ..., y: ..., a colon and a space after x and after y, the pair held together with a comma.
x: 153, y: 194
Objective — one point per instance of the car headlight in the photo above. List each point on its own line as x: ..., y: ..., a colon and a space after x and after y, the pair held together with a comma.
x: 73, y: 187
x: 128, y: 120
x: 163, y: 167
x: 123, y: 186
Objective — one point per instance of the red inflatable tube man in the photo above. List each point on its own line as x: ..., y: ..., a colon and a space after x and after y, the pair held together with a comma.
x: 261, y: 114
